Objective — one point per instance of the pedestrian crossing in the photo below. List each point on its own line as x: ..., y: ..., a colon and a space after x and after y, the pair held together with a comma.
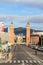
x: 25, y: 61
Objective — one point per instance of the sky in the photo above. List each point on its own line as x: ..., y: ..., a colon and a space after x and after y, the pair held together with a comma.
x: 22, y: 11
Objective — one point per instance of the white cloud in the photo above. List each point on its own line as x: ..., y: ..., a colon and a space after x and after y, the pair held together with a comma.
x: 38, y: 3
x: 36, y: 21
x: 13, y: 17
x: 32, y: 19
x: 36, y: 18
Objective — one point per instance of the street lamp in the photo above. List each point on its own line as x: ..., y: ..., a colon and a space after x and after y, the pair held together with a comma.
x: 41, y: 40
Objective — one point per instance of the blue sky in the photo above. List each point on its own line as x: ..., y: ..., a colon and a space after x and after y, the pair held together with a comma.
x: 21, y: 12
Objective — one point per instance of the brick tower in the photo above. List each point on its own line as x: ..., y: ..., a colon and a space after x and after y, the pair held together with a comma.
x: 11, y: 33
x: 28, y: 34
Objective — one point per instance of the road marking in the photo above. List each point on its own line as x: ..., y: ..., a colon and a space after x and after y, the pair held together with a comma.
x: 41, y: 61
x: 38, y: 61
x: 22, y: 62
x: 30, y: 61
x: 14, y: 61
x: 10, y: 61
x: 6, y: 61
x: 18, y: 61
x: 26, y: 61
x: 34, y: 61
x: 33, y: 56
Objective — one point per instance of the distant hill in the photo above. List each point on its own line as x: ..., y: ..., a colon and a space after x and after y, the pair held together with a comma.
x: 17, y: 30
x: 20, y: 30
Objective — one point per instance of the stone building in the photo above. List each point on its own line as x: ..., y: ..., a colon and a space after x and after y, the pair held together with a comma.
x: 34, y: 39
x: 11, y: 34
x: 4, y: 37
x: 11, y: 37
x: 28, y: 34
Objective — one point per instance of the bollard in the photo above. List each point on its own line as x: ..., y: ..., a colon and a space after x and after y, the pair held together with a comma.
x: 35, y: 52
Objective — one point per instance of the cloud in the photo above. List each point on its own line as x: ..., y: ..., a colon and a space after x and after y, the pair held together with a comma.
x: 36, y: 21
x: 32, y: 3
x: 36, y: 18
x: 31, y: 19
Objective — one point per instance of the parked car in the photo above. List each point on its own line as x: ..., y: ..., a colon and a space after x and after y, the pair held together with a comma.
x: 40, y: 49
x: 32, y: 46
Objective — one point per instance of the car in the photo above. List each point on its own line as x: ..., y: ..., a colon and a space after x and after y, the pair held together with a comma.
x: 32, y: 46
x: 40, y: 49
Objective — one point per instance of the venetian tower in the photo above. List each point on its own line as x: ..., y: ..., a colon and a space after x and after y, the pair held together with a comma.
x: 28, y: 34
x: 11, y: 33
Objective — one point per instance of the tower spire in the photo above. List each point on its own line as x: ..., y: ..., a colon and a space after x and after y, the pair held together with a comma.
x: 28, y: 24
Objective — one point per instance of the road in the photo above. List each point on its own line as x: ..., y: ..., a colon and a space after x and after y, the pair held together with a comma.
x: 24, y: 55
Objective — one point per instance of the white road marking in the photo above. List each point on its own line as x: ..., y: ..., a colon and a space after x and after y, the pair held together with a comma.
x: 26, y: 61
x: 41, y: 61
x: 38, y: 61
x: 6, y: 61
x: 10, y: 61
x: 14, y: 61
x: 30, y: 61
x: 22, y: 62
x: 18, y: 61
x: 34, y: 61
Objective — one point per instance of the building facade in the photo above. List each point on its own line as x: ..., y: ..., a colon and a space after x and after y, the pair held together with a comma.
x: 34, y: 39
x: 1, y: 27
x: 4, y: 37
x: 12, y: 38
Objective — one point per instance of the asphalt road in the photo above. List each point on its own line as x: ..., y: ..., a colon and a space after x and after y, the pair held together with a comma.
x: 24, y: 55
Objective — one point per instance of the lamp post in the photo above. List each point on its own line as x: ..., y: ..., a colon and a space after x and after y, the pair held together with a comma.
x: 41, y: 40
